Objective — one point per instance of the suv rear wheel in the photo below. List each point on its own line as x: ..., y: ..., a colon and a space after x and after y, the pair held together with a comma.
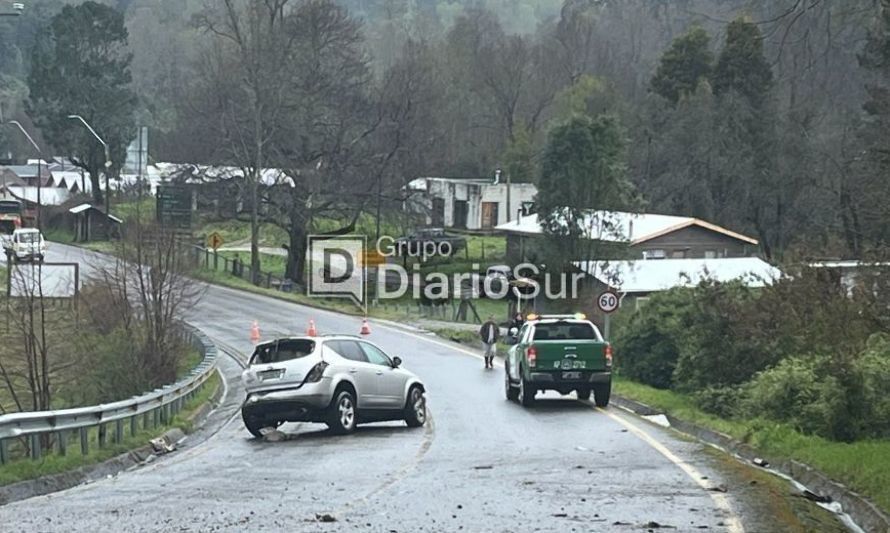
x: 252, y: 424
x: 341, y: 416
x: 255, y: 424
x: 415, y: 408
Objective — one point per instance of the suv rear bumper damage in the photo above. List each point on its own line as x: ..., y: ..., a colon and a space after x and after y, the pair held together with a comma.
x: 299, y: 404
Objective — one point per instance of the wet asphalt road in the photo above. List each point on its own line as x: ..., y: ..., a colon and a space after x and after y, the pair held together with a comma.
x: 483, y: 464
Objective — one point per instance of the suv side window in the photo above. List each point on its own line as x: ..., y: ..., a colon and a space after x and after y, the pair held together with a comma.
x: 348, y: 350
x: 375, y: 355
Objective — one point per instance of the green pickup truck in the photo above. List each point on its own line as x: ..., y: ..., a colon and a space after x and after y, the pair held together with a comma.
x: 564, y: 353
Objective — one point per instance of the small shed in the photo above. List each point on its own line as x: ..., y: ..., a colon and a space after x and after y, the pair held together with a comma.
x: 93, y: 224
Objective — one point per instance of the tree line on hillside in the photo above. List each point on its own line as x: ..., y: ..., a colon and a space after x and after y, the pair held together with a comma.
x: 766, y: 117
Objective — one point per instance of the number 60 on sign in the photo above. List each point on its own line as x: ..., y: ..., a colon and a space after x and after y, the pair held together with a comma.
x: 607, y: 302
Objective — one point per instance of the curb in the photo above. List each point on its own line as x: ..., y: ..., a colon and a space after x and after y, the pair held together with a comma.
x: 856, y: 510
x: 109, y: 468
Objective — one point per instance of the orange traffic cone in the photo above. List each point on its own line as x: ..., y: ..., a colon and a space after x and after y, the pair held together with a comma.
x: 366, y: 328
x: 255, y: 332
x: 311, y: 331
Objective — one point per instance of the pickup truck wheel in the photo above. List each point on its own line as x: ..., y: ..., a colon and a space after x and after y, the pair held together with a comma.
x: 602, y: 394
x: 511, y: 392
x: 526, y: 394
x: 584, y: 394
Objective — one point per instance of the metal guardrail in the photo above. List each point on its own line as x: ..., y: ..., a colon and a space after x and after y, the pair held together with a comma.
x: 42, y: 431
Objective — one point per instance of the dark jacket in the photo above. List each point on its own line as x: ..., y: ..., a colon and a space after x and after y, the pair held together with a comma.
x: 485, y: 331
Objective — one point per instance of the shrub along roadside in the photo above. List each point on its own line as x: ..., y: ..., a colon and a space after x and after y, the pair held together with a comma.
x: 53, y: 463
x: 861, y: 465
x: 802, y: 351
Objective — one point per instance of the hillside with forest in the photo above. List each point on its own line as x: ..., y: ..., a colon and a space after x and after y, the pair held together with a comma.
x: 757, y: 114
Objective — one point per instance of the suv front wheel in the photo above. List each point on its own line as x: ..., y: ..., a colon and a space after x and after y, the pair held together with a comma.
x: 341, y: 416
x: 415, y: 408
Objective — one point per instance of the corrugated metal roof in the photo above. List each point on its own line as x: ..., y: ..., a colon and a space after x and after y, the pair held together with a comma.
x: 642, y: 276
x: 620, y: 226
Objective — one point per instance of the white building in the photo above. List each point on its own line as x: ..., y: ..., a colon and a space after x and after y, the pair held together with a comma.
x: 468, y: 203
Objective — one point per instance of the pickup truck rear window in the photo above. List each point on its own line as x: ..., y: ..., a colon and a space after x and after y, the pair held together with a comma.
x: 282, y: 351
x: 564, y: 331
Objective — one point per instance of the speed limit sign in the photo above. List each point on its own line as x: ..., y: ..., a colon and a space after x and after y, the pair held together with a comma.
x: 607, y: 302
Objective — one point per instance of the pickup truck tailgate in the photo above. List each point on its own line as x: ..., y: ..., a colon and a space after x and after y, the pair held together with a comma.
x: 572, y: 355
x: 568, y: 345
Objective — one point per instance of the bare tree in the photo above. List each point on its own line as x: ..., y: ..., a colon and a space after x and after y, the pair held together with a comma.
x: 253, y: 45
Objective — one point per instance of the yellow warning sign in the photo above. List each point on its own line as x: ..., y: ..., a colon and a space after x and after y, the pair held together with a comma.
x: 214, y: 240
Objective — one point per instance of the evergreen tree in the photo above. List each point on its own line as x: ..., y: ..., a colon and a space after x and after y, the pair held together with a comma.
x: 683, y: 66
x: 583, y: 169
x: 864, y: 208
x: 742, y: 67
x: 81, y: 66
x: 519, y: 156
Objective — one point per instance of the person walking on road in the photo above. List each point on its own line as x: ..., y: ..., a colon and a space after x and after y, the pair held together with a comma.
x: 490, y: 332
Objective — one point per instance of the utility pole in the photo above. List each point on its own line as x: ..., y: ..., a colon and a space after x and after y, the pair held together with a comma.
x: 107, y: 160
x: 509, y: 211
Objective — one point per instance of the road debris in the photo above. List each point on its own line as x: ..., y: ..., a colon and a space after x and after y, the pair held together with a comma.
x: 274, y: 436
x: 325, y: 517
x: 719, y: 488
x: 818, y: 498
x: 655, y: 525
x: 760, y: 462
x: 161, y: 445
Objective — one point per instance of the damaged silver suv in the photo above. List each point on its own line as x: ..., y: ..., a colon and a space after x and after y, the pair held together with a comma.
x: 337, y: 380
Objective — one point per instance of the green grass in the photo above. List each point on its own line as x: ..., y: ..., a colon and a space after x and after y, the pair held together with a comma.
x: 491, y: 248
x: 397, y: 309
x: 128, y: 209
x: 269, y: 263
x: 192, y: 359
x: 54, y: 464
x: 861, y: 465
x: 238, y: 232
x: 61, y: 235
x: 469, y: 338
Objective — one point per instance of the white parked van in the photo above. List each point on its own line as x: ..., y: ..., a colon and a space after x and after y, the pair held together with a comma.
x: 25, y: 244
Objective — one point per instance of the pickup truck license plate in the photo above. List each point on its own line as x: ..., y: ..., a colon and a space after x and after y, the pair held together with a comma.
x: 571, y: 375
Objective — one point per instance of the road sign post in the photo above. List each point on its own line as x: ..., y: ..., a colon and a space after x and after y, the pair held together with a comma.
x: 608, y: 302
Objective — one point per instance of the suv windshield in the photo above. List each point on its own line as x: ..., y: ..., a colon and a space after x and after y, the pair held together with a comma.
x: 564, y: 331
x: 280, y: 351
x: 29, y: 237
